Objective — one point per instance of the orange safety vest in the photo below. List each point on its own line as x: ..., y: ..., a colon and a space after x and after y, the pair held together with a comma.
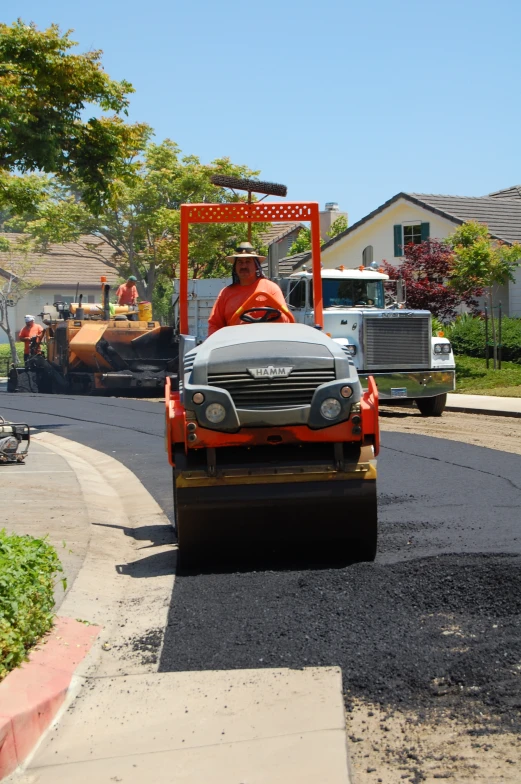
x: 26, y: 333
x: 232, y: 297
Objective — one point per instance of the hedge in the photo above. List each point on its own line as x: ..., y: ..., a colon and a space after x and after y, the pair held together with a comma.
x: 28, y: 571
x: 467, y: 335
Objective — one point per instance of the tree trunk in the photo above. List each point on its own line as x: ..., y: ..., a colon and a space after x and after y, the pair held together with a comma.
x: 494, y: 340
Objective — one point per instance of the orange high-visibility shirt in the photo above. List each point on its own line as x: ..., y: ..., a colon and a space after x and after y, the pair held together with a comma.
x: 232, y: 297
x: 26, y: 333
x: 127, y: 295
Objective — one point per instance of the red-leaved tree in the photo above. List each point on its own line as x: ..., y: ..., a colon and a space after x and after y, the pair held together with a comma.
x: 425, y: 270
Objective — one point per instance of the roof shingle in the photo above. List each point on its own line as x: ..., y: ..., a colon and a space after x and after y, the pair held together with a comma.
x: 64, y: 265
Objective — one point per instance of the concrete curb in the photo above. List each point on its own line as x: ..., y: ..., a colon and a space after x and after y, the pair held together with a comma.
x: 31, y: 695
x: 109, y: 588
x: 473, y: 409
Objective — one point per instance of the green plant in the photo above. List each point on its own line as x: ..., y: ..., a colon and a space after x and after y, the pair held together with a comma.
x: 438, y: 326
x: 28, y: 571
x: 467, y: 335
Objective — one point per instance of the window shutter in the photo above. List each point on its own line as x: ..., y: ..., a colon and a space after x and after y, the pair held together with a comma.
x: 425, y: 231
x: 398, y: 240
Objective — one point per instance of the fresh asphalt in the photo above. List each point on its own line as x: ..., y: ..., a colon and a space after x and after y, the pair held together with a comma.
x: 435, y: 621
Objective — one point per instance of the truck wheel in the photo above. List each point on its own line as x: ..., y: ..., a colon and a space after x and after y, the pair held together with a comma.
x: 432, y: 406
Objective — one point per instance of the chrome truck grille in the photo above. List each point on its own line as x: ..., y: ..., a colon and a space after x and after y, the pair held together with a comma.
x: 398, y: 343
x: 254, y: 393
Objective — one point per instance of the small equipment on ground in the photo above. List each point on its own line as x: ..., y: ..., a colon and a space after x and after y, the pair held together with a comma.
x: 271, y: 438
x: 14, y: 441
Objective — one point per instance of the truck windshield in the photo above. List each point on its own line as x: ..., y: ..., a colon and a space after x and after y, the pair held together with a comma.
x: 350, y: 293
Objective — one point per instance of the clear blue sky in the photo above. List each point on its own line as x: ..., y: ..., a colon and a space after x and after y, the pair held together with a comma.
x: 341, y: 101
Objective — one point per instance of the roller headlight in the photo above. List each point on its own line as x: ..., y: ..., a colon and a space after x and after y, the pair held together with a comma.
x: 330, y: 408
x: 215, y: 413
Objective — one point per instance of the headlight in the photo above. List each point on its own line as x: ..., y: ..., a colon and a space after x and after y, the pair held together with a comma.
x: 350, y: 350
x: 330, y: 408
x: 198, y: 398
x: 437, y: 348
x: 346, y: 391
x: 445, y: 349
x: 215, y: 413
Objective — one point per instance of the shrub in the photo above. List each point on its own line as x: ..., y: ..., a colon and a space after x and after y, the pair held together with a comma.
x: 28, y: 569
x: 467, y: 335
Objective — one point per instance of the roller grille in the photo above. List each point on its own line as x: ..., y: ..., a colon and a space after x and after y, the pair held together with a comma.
x: 397, y: 343
x: 254, y: 393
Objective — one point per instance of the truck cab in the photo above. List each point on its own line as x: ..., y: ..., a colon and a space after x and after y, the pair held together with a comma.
x: 384, y: 339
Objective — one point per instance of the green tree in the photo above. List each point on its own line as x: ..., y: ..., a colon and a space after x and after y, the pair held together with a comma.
x: 139, y: 223
x: 481, y: 261
x: 16, y: 280
x: 44, y: 92
x: 303, y: 240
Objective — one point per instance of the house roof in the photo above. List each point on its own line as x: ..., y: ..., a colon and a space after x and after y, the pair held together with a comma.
x: 508, y: 193
x: 288, y: 264
x: 500, y: 211
x: 278, y: 231
x: 63, y: 265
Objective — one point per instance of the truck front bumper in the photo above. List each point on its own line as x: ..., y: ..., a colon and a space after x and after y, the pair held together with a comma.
x: 423, y: 383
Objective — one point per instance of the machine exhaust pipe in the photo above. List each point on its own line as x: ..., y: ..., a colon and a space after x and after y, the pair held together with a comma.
x: 105, y: 301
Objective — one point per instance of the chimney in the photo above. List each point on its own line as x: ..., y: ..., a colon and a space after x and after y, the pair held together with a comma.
x: 328, y: 216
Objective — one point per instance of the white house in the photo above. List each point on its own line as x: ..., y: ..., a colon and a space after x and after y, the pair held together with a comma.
x: 414, y: 217
x: 61, y: 273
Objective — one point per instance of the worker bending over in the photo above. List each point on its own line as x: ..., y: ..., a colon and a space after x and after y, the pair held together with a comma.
x: 248, y: 279
x: 27, y: 333
x: 127, y: 292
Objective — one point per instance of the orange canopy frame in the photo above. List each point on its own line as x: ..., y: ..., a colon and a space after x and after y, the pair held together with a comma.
x: 258, y: 212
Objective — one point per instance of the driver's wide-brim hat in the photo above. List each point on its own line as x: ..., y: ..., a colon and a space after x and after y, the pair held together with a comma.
x: 245, y: 251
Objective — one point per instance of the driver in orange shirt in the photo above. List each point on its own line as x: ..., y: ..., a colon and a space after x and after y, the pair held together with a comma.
x: 248, y: 279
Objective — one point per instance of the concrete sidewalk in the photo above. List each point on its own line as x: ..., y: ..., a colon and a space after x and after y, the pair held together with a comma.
x: 485, y: 404
x: 122, y: 719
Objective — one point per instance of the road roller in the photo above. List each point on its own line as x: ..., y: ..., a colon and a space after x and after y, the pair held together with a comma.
x: 271, y: 437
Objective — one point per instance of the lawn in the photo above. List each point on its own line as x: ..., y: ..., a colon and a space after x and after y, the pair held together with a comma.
x: 473, y: 378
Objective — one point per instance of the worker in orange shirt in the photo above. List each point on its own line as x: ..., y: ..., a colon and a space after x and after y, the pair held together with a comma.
x: 248, y: 279
x: 31, y: 330
x: 127, y: 292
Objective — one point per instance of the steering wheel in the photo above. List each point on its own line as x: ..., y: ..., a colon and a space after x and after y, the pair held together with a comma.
x: 268, y: 315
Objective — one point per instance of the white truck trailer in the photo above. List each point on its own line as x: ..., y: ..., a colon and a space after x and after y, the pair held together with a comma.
x: 383, y: 338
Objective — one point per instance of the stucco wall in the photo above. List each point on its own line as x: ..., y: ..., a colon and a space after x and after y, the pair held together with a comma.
x: 34, y: 301
x: 378, y: 232
x: 515, y: 295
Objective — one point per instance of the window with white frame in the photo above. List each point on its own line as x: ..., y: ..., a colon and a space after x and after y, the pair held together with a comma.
x: 411, y: 232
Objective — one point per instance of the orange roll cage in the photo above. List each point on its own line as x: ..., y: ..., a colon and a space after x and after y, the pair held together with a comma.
x: 242, y: 212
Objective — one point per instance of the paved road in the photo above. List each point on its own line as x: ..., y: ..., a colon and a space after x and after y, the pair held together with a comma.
x: 434, y: 621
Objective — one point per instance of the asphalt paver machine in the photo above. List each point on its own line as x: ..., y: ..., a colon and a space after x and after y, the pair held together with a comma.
x: 271, y: 438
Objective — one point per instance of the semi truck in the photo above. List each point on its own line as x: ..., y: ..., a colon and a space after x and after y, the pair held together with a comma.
x: 372, y: 325
x: 380, y: 334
